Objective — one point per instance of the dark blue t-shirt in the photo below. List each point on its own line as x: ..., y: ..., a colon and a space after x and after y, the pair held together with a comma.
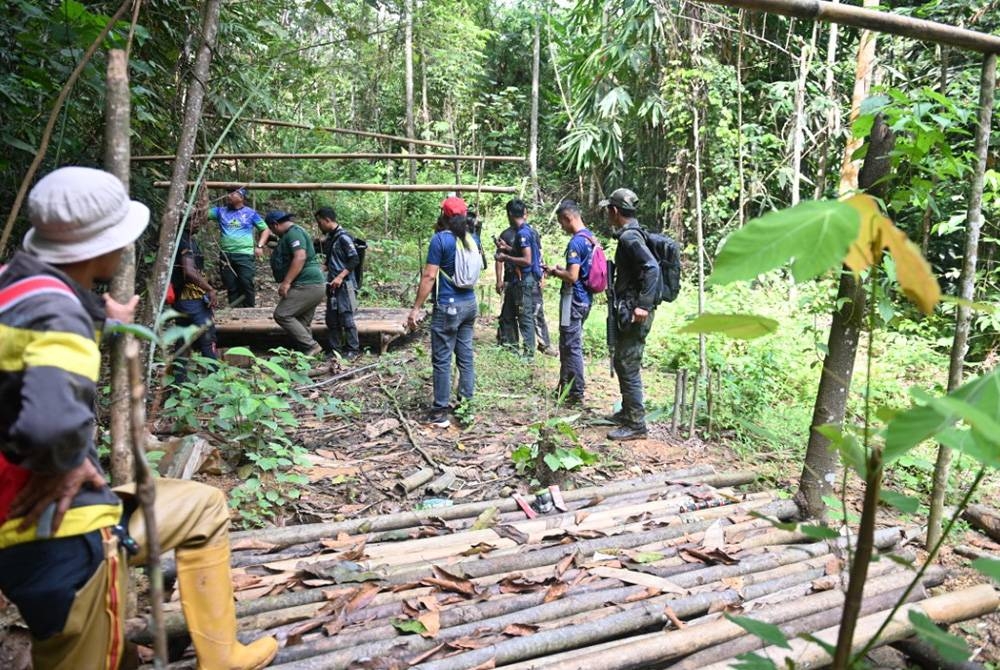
x: 579, y: 252
x: 441, y: 252
x: 527, y: 239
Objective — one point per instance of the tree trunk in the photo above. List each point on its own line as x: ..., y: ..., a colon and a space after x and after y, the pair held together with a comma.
x: 741, y: 156
x: 410, y: 130
x: 832, y: 128
x: 960, y: 345
x: 171, y: 220
x: 925, y: 224
x: 820, y: 467
x: 425, y: 110
x: 799, y: 127
x: 862, y: 85
x: 536, y: 48
x: 117, y: 151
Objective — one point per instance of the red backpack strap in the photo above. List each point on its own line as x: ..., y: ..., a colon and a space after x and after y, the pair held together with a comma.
x: 30, y: 287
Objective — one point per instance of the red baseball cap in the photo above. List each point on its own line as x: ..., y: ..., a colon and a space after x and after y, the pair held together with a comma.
x: 454, y: 206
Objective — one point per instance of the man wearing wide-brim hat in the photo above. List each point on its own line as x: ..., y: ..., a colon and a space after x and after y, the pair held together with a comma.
x: 637, y: 275
x: 64, y: 534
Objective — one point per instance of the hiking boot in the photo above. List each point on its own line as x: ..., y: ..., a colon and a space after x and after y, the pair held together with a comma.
x: 439, y: 418
x: 352, y: 355
x: 315, y: 350
x: 623, y: 433
x: 548, y: 351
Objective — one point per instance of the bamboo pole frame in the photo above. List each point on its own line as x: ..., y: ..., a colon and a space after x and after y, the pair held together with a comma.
x: 344, y: 186
x: 858, y: 17
x: 341, y: 131
x: 333, y: 157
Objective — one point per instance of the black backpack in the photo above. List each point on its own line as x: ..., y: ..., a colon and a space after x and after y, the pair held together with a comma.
x: 668, y: 256
x: 360, y: 246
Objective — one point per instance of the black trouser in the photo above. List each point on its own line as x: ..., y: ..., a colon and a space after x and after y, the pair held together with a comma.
x: 628, y: 363
x: 237, y: 272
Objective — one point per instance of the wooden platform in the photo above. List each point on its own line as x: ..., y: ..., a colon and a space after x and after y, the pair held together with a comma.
x: 632, y: 574
x: 378, y: 327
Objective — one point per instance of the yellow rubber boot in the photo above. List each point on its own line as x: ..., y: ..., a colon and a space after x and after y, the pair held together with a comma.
x: 207, y: 601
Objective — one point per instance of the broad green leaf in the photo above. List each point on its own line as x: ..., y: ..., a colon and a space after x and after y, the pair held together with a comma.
x: 971, y: 444
x: 847, y: 445
x: 240, y: 351
x: 647, y: 557
x: 134, y: 329
x: 819, y: 532
x: 989, y: 567
x: 951, y: 647
x: 903, y: 503
x: 814, y: 236
x: 737, y: 326
x: 923, y: 420
x: 753, y: 661
x: 408, y: 626
x: 767, y: 632
x: 983, y: 425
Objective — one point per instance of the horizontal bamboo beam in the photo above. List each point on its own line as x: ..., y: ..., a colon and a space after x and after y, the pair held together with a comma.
x: 343, y: 186
x: 340, y: 131
x: 885, y: 22
x: 335, y: 157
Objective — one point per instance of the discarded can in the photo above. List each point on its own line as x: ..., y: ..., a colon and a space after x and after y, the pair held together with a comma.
x: 543, y: 502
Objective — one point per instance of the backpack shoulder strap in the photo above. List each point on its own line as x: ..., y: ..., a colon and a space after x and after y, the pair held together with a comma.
x: 31, y: 287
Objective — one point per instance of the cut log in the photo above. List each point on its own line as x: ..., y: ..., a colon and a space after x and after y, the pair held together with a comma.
x: 948, y: 608
x: 986, y: 519
x: 929, y: 658
x: 414, y: 480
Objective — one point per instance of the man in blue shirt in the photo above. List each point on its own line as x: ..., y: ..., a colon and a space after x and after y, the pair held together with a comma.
x: 575, y: 300
x: 455, y: 311
x: 525, y: 257
x: 237, y: 224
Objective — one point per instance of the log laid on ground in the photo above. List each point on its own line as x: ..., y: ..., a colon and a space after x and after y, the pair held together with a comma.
x: 974, y: 553
x: 655, y: 648
x: 948, y: 608
x: 346, y: 186
x: 318, y: 531
x: 986, y: 519
x: 335, y: 157
x: 926, y: 656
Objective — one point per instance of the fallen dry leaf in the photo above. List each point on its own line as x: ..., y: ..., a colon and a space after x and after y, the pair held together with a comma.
x: 363, y: 597
x: 480, y: 548
x: 430, y: 603
x: 417, y: 660
x: 579, y: 517
x: 827, y: 583
x: 449, y: 582
x: 674, y: 619
x: 563, y: 565
x: 520, y: 629
x: 243, y: 581
x: 486, y: 665
x: 432, y: 622
x: 833, y: 566
x: 246, y: 543
x: 342, y: 540
x: 556, y: 591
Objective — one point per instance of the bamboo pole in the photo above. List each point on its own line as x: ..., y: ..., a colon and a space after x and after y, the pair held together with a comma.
x: 344, y: 186
x: 948, y: 608
x: 341, y: 131
x: 152, y: 158
x: 885, y: 22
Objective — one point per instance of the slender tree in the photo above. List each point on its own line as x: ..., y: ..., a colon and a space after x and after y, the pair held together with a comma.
x: 960, y: 343
x: 410, y: 129
x: 819, y: 471
x: 117, y: 154
x: 536, y: 49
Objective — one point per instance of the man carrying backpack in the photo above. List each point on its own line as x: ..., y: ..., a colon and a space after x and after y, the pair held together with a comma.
x: 575, y: 300
x: 637, y: 280
x: 341, y: 289
x: 524, y: 256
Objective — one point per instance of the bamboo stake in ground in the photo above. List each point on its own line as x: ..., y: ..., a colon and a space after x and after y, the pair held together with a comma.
x: 145, y: 492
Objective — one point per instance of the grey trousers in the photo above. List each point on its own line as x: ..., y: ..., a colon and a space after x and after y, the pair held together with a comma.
x: 572, y: 316
x: 295, y: 313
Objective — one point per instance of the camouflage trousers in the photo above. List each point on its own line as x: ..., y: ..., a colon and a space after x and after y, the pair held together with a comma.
x: 628, y: 365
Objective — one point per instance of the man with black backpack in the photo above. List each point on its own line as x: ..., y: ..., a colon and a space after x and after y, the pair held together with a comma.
x: 636, y: 289
x: 574, y: 301
x: 342, y: 261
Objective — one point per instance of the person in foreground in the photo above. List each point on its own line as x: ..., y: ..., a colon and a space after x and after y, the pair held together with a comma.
x: 455, y: 311
x: 636, y: 277
x: 63, y: 531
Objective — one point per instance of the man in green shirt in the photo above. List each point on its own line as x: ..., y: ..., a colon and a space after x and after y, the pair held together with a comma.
x: 237, y: 224
x: 301, y: 285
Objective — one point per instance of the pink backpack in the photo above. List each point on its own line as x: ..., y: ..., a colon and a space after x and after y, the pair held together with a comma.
x: 596, y: 280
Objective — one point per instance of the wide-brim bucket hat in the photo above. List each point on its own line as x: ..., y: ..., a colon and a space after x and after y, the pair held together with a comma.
x: 79, y: 213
